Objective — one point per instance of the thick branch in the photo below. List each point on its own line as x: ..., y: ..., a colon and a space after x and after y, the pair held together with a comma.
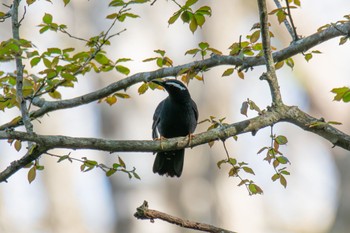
x: 144, y: 213
x: 277, y: 114
x: 271, y: 76
x: 19, y: 68
x: 301, y: 45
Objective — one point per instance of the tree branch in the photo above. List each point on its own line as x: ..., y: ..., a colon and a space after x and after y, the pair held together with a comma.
x: 144, y: 213
x: 270, y: 76
x: 275, y: 115
x: 19, y: 68
x: 301, y: 45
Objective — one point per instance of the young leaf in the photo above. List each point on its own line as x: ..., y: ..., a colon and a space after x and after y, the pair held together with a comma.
x: 18, y: 145
x: 121, y: 162
x: 228, y: 72
x: 32, y: 174
x: 110, y: 172
x: 283, y: 181
x: 244, y: 108
x: 47, y: 18
x: 281, y: 140
x: 248, y: 170
x: 143, y: 88
x: 174, y: 17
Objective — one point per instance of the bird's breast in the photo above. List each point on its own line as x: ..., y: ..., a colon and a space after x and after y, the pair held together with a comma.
x: 177, y: 119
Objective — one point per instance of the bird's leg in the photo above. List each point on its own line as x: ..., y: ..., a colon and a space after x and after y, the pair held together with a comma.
x: 190, y: 136
x: 160, y: 139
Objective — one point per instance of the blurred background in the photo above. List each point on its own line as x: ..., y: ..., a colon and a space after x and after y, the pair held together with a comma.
x: 64, y: 200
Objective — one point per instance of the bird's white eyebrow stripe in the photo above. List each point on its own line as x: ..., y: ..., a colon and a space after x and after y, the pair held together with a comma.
x: 177, y: 85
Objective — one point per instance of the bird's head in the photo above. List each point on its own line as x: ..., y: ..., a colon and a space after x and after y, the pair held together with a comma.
x: 176, y: 89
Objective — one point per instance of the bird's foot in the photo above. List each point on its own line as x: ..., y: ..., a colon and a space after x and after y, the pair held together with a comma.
x: 190, y: 136
x: 160, y: 139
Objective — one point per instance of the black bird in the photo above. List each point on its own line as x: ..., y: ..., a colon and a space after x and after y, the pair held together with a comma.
x: 175, y: 116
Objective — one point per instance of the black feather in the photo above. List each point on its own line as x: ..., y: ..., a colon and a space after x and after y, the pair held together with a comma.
x: 175, y: 116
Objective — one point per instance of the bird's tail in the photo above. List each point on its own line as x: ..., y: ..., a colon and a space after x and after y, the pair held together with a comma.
x: 169, y: 163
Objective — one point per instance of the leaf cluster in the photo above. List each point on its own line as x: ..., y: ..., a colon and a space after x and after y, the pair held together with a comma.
x: 276, y: 158
x: 236, y: 168
x: 194, y: 18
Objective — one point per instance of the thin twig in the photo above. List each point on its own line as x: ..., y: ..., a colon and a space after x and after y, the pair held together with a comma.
x: 295, y: 37
x: 144, y: 213
x: 286, y: 23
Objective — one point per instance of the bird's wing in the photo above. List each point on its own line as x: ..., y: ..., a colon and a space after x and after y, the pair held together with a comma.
x: 195, y: 110
x: 156, y: 119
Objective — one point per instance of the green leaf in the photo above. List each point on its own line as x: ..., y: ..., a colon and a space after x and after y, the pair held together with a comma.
x: 44, y: 29
x: 110, y: 172
x: 150, y: 59
x: 143, y: 88
x: 233, y: 171
x: 112, y: 16
x: 279, y: 65
x: 66, y: 2
x: 343, y: 39
x: 122, y: 69
x: 255, y: 36
x: 68, y: 76
x: 47, y: 63
x: 290, y: 62
x: 29, y: 2
x: 285, y: 172
x: 159, y: 51
x: 340, y: 92
x: 282, y: 159
x: 64, y: 157
x: 47, y: 18
x: 248, y: 170
x: 35, y: 61
x: 254, y: 189
x: 32, y: 174
x: 203, y: 45
x: 18, y: 145
x: 191, y: 52
x: 121, y: 162
x: 190, y: 2
x: 186, y: 16
x: 200, y: 19
x: 283, y: 181
x: 281, y: 140
x: 173, y: 18
x: 308, y: 56
x: 228, y: 72
x: 102, y: 59
x: 275, y: 177
x: 55, y: 95
x: 232, y: 161
x: 122, y: 95
x: 136, y: 175
x: 240, y: 74
x: 193, y: 25
x: 116, y: 166
x: 111, y: 100
x: 281, y: 16
x: 204, y: 10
